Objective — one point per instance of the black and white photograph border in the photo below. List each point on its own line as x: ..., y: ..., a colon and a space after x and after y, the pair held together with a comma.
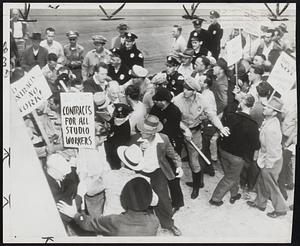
x: 30, y: 213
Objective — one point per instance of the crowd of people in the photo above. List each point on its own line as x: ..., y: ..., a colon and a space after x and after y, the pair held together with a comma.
x: 197, y: 110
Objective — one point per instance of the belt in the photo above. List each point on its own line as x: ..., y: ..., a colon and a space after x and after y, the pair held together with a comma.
x: 198, y: 127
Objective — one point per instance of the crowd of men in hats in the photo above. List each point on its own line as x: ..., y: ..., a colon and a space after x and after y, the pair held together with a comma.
x: 147, y: 126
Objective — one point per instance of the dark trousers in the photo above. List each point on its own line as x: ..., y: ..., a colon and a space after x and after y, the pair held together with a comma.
x: 232, y: 166
x: 163, y: 210
x: 285, y: 174
x: 249, y: 175
x: 176, y: 193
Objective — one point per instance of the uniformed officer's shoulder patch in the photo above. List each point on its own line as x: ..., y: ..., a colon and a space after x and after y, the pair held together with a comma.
x: 131, y: 55
x: 180, y: 77
x: 140, y: 55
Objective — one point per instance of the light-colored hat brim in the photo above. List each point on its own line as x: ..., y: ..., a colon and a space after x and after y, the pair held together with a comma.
x: 103, y: 106
x: 120, y: 152
x: 140, y: 127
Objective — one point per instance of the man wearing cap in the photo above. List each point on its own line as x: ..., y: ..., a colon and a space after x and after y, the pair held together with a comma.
x: 53, y: 46
x: 34, y: 55
x: 215, y: 34
x: 269, y: 48
x: 220, y: 85
x: 197, y: 45
x: 174, y: 79
x: 270, y: 161
x: 170, y: 116
x: 74, y: 53
x: 98, y: 82
x: 117, y: 70
x: 118, y: 42
x: 203, y: 35
x: 235, y: 150
x: 95, y: 57
x: 186, y: 68
x: 130, y: 54
x: 120, y: 127
x: 156, y: 148
x: 139, y: 78
x: 179, y: 43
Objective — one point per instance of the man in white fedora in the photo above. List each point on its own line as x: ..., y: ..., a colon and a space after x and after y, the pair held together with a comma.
x: 156, y: 147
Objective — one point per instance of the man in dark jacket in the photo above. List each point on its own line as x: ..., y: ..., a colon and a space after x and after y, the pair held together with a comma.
x: 35, y: 54
x: 235, y: 149
x: 215, y: 34
x: 198, y: 29
x: 130, y: 54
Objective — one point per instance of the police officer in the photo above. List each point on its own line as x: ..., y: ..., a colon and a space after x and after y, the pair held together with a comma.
x: 117, y: 70
x: 130, y: 54
x: 175, y: 80
x: 197, y: 45
x: 74, y: 53
x: 215, y: 34
x: 202, y: 33
x: 95, y: 57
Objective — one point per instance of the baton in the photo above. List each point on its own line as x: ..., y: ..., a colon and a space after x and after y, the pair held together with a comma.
x: 199, y: 151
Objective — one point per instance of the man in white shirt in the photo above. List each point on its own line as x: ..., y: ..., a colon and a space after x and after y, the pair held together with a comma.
x: 179, y: 43
x: 53, y: 46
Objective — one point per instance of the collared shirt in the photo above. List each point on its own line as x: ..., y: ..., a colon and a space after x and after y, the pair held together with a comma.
x: 270, y: 140
x: 103, y: 85
x: 150, y: 160
x: 191, y: 109
x: 266, y: 50
x: 74, y: 54
x: 55, y: 48
x: 186, y: 71
x: 139, y: 113
x: 92, y: 59
x: 35, y: 52
x: 179, y: 44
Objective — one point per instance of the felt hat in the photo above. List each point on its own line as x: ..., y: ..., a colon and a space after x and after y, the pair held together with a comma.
x: 150, y: 124
x: 131, y: 156
x: 274, y: 103
x: 283, y: 27
x: 171, y: 60
x: 121, y: 110
x: 100, y: 100
x: 192, y: 83
x: 139, y: 71
x: 129, y: 36
x: 59, y: 163
x: 99, y: 39
x: 188, y: 53
x: 198, y: 22
x: 136, y: 195
x: 159, y: 78
x: 72, y: 34
x: 162, y: 94
x: 36, y: 36
x: 214, y: 14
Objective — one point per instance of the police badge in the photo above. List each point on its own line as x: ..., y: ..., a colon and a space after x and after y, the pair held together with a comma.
x: 131, y: 55
x: 122, y: 76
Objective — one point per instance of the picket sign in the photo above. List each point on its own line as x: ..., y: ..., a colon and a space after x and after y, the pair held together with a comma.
x: 234, y: 50
x: 283, y: 74
x: 30, y: 92
x: 78, y: 120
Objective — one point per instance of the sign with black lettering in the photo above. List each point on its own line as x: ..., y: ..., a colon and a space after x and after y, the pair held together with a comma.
x: 78, y: 120
x: 283, y: 75
x: 31, y: 91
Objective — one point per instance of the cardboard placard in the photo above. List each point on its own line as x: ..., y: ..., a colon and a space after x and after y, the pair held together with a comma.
x: 78, y: 120
x: 234, y: 50
x: 31, y: 91
x: 283, y: 75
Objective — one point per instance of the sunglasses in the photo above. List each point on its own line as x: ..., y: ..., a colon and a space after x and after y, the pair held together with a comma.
x: 72, y: 39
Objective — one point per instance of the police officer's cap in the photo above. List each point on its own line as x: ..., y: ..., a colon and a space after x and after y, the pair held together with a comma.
x: 139, y: 71
x: 214, y: 14
x: 196, y: 37
x: 99, y: 39
x: 172, y: 61
x: 198, y: 22
x: 130, y: 36
x: 72, y: 34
